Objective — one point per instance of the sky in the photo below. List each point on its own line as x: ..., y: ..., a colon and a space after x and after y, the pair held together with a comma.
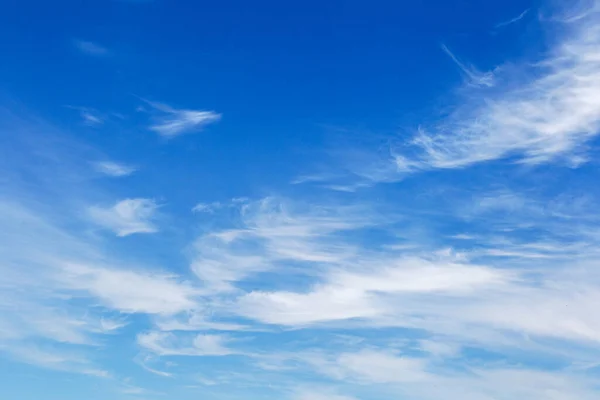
x: 341, y: 200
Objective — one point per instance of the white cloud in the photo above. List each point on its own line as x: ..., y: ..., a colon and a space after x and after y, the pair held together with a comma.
x: 110, y: 325
x: 129, y: 291
x: 207, y: 207
x: 91, y: 48
x: 89, y: 116
x: 377, y: 367
x: 499, y: 382
x: 320, y: 394
x: 44, y: 322
x: 67, y: 361
x: 469, y: 302
x: 439, y: 347
x: 512, y: 20
x: 518, y: 299
x: 198, y: 320
x: 144, y: 363
x: 350, y: 295
x: 174, y: 122
x: 488, y: 304
x: 476, y: 78
x: 91, y: 119
x: 422, y: 276
x: 213, y: 207
x: 112, y: 168
x: 53, y: 308
x: 169, y: 344
x: 269, y: 232
x: 127, y: 216
x: 296, y: 309
x: 386, y: 373
x: 548, y: 117
x: 30, y: 247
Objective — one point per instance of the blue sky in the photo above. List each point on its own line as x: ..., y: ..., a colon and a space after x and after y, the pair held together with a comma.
x: 340, y: 200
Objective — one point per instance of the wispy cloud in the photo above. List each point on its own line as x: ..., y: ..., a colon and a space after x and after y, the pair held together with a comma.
x: 130, y: 291
x: 127, y: 216
x: 272, y: 230
x: 513, y: 20
x: 115, y: 169
x: 377, y: 289
x: 207, y: 207
x: 55, y: 360
x: 215, y: 206
x: 387, y: 372
x: 350, y: 295
x: 163, y: 343
x: 91, y: 48
x: 475, y: 77
x: 548, y: 117
x: 319, y: 394
x: 487, y: 290
x: 66, y: 295
x: 89, y: 116
x: 145, y: 362
x: 373, y: 366
x: 40, y: 324
x: 91, y: 119
x: 174, y: 122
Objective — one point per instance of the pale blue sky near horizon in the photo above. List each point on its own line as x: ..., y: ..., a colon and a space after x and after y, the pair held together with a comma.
x: 340, y: 200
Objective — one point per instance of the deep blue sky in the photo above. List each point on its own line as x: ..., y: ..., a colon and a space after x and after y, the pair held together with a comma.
x: 290, y: 73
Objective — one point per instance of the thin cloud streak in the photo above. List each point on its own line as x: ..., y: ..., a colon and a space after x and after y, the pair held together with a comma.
x: 513, y: 20
x: 175, y: 122
x: 114, y: 169
x: 89, y: 116
x: 271, y: 232
x: 168, y: 344
x: 476, y: 78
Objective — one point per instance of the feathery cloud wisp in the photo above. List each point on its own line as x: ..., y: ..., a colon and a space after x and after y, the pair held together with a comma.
x: 483, y: 291
x: 174, y: 122
x: 130, y: 291
x: 513, y: 20
x: 163, y: 343
x: 207, y: 207
x: 115, y: 169
x: 40, y: 324
x: 349, y: 295
x: 90, y: 119
x: 548, y: 117
x: 127, y: 216
x: 306, y: 394
x: 272, y: 231
x: 476, y: 78
x: 89, y: 116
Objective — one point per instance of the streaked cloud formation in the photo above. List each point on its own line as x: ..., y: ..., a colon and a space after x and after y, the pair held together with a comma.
x: 513, y: 20
x: 89, y: 117
x: 475, y: 77
x: 112, y: 168
x: 457, y: 261
x: 173, y: 122
x: 127, y: 216
x: 546, y: 118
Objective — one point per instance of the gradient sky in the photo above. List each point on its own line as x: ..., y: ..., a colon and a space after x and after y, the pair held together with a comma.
x: 316, y: 200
